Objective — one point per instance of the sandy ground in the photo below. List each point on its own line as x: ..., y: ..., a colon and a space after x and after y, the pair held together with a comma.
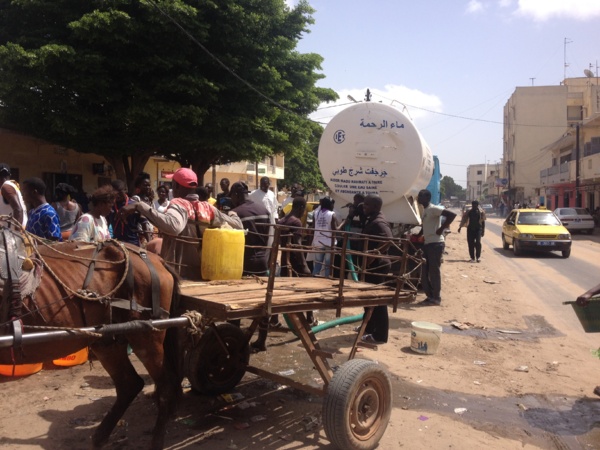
x: 511, y: 380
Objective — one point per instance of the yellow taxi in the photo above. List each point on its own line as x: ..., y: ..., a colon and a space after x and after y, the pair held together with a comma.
x: 535, y: 230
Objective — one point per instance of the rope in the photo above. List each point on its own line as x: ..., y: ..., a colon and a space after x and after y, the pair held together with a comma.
x: 84, y: 295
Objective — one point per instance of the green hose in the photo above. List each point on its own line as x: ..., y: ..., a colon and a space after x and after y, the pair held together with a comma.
x: 327, y: 325
x: 349, y: 261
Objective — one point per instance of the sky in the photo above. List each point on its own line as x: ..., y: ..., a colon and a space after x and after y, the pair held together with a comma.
x: 452, y: 63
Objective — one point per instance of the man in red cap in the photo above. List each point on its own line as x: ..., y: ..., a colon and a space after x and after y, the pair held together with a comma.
x: 183, y: 223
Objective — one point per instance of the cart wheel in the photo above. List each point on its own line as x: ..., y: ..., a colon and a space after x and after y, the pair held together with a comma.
x: 357, y: 405
x: 209, y: 369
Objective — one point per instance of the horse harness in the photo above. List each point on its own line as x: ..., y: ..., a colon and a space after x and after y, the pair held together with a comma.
x: 13, y: 256
x: 131, y: 305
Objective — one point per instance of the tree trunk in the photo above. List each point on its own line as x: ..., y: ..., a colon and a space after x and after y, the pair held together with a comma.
x: 200, y: 166
x: 128, y: 167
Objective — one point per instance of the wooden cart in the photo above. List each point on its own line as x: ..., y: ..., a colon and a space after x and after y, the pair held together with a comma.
x: 357, y: 394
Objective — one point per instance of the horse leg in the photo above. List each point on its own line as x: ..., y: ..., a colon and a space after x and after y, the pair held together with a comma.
x: 149, y: 348
x: 128, y: 385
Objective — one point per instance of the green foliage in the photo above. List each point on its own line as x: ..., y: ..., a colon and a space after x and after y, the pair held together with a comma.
x: 449, y: 188
x: 303, y: 165
x: 122, y: 78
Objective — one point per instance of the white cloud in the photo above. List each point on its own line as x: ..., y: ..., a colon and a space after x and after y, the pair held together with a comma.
x: 542, y: 10
x: 412, y: 102
x: 505, y: 3
x: 291, y: 3
x: 474, y: 6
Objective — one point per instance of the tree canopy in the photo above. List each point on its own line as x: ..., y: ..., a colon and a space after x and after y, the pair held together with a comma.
x: 203, y: 82
x: 303, y: 166
x: 448, y: 188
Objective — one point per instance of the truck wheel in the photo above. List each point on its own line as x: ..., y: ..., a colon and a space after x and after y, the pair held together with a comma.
x: 209, y: 368
x: 504, y: 243
x: 357, y: 405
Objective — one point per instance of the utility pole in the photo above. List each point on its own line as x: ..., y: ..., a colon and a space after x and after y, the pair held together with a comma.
x: 577, y: 194
x: 509, y: 196
x: 577, y: 162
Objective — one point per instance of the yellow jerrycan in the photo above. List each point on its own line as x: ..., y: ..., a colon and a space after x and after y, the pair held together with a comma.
x: 222, y: 254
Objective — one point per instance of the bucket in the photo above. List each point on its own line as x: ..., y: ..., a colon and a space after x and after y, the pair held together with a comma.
x: 222, y: 254
x: 425, y: 337
x: 74, y: 359
x: 20, y: 370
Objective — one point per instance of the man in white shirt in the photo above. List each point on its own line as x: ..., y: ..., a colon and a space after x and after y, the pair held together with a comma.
x: 267, y: 197
x: 12, y: 200
x: 433, y: 248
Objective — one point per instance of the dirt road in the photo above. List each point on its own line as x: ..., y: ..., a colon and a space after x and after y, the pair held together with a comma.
x: 517, y: 377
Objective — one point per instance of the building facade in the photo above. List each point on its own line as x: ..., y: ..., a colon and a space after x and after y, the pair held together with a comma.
x: 572, y: 175
x: 482, y: 183
x: 552, y: 144
x: 31, y: 157
x: 533, y: 117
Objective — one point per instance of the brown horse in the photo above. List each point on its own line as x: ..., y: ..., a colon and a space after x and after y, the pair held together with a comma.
x: 59, y: 302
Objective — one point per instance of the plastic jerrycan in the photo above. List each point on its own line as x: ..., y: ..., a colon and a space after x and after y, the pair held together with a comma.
x: 222, y: 254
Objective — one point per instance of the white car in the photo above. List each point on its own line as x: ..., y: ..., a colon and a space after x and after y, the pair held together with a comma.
x: 488, y: 208
x: 575, y: 219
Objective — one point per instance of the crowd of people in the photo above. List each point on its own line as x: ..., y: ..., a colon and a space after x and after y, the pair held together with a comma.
x: 172, y: 224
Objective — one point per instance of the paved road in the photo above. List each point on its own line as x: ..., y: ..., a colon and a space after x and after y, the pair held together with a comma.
x: 552, y: 277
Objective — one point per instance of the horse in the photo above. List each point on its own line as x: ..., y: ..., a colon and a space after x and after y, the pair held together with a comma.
x: 79, y: 287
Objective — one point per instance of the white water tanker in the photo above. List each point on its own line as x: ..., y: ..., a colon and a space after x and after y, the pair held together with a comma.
x: 374, y: 148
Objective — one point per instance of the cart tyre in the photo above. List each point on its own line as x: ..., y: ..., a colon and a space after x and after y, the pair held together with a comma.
x: 357, y: 405
x: 209, y: 369
x: 504, y: 243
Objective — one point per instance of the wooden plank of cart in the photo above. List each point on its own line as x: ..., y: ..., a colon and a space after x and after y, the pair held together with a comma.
x: 357, y: 396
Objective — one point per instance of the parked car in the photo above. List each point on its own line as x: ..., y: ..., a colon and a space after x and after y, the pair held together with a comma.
x: 536, y: 230
x: 575, y: 219
x: 488, y: 208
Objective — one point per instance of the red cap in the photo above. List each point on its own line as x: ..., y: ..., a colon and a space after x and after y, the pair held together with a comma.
x: 185, y: 177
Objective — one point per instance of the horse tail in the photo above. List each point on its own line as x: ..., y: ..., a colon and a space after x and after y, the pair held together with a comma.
x: 173, y: 344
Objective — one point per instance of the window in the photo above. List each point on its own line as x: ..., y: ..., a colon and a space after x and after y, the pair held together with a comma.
x: 479, y: 172
x: 574, y: 113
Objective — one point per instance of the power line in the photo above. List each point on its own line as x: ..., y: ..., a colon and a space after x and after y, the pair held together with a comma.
x: 225, y: 66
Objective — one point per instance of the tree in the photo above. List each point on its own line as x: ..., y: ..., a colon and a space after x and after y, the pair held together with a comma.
x: 449, y: 188
x: 128, y: 80
x: 303, y: 165
x: 244, y: 124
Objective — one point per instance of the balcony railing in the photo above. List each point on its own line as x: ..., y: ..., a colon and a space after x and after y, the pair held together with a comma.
x: 555, y: 174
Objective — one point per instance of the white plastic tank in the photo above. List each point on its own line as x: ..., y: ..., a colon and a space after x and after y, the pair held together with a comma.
x: 374, y: 148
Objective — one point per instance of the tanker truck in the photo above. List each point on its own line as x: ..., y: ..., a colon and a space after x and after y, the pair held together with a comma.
x: 374, y: 148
